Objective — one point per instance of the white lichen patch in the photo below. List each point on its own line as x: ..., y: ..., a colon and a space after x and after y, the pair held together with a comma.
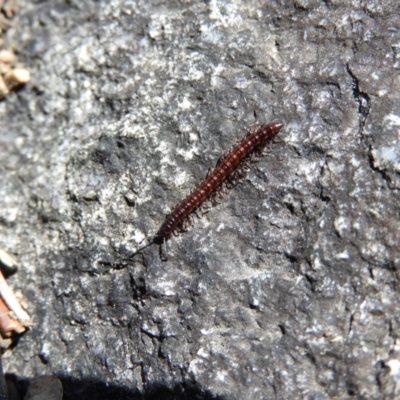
x: 188, y: 154
x: 386, y: 157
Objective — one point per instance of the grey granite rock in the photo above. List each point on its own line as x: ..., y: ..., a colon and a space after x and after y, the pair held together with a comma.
x: 290, y: 287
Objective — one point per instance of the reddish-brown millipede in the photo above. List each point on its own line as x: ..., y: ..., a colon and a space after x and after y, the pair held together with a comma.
x: 254, y: 143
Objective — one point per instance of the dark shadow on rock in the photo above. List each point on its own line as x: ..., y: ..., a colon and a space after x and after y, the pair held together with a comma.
x: 88, y: 389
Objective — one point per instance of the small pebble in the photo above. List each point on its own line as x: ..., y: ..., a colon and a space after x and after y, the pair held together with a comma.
x: 8, y: 260
x: 17, y: 77
x: 6, y: 56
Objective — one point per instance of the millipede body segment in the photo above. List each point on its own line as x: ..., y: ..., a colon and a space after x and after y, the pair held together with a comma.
x: 252, y: 143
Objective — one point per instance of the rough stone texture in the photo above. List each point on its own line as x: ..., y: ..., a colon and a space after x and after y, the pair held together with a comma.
x: 289, y: 288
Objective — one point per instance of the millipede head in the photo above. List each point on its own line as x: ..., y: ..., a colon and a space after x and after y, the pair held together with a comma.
x: 272, y: 128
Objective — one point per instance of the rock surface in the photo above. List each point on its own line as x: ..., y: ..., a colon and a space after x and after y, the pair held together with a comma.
x: 290, y: 287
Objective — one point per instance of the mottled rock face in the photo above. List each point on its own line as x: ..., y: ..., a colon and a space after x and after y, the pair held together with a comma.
x: 289, y: 287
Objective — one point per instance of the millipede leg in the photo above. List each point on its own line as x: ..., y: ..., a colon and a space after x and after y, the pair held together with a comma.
x: 253, y: 130
x: 190, y: 220
x: 218, y: 197
x: 186, y: 223
x: 239, y: 174
x: 224, y: 155
x: 198, y: 213
x: 265, y: 150
x: 256, y: 156
x: 210, y: 171
x: 219, y: 194
x: 205, y: 207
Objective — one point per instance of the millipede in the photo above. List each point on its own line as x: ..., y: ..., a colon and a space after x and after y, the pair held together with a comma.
x: 231, y: 166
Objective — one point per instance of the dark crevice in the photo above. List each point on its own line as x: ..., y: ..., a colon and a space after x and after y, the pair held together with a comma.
x: 290, y: 207
x: 323, y: 197
x: 334, y: 84
x: 282, y: 329
x: 312, y: 358
x: 371, y: 272
x: 291, y: 258
x: 311, y: 281
x: 352, y: 389
x: 351, y: 323
x: 363, y: 100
